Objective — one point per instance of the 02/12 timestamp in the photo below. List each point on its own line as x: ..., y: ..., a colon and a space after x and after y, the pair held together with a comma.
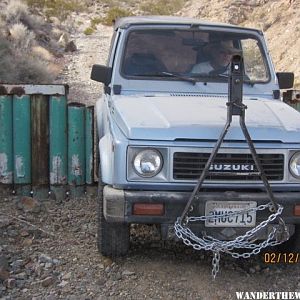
x: 278, y: 257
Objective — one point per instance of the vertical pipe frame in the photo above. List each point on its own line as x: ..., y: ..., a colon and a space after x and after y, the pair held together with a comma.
x: 22, y: 141
x: 89, y: 145
x: 6, y: 139
x: 76, y: 148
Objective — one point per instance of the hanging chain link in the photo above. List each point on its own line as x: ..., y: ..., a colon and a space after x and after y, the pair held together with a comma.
x: 275, y: 237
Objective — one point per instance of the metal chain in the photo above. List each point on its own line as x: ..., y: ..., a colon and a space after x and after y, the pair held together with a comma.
x: 215, y: 264
x: 276, y: 236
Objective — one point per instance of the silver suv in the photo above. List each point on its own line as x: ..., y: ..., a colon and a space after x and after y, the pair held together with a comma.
x: 162, y: 111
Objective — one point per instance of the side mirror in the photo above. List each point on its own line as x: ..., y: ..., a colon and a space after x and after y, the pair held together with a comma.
x: 101, y: 73
x: 285, y: 80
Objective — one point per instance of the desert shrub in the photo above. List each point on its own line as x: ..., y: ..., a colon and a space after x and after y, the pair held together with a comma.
x: 18, y: 12
x: 161, y: 7
x: 6, y: 61
x: 33, y: 70
x: 22, y: 65
x: 57, y: 8
x: 95, y: 22
x: 21, y: 59
x: 21, y: 37
x: 42, y: 53
x: 15, y: 11
x: 115, y: 13
x: 89, y: 31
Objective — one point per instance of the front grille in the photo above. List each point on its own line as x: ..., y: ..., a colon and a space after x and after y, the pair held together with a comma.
x: 227, y: 166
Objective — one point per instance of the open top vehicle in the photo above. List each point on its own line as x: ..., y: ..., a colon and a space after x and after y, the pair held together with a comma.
x: 159, y: 121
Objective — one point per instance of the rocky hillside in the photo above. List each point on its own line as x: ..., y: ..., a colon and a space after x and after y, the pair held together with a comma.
x: 34, y: 33
x: 279, y: 19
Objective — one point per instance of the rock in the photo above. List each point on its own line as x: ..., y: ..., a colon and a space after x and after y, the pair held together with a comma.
x: 71, y: 47
x: 27, y: 242
x: 12, y: 233
x: 63, y: 283
x: 4, y: 221
x: 257, y: 268
x: 63, y: 40
x: 20, y: 283
x: 48, y: 265
x: 47, y: 281
x: 117, y: 276
x: 4, y: 274
x: 127, y: 273
x: 11, y: 283
x: 24, y: 233
x: 3, y: 262
x: 21, y: 276
x: 43, y: 258
x: 29, y: 204
x: 17, y: 265
x: 57, y: 262
x: 107, y: 262
x: 55, y: 21
x: 67, y: 276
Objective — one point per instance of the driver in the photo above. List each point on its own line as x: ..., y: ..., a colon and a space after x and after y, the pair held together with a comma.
x: 220, y: 54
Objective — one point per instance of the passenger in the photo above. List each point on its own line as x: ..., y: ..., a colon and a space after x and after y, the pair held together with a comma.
x: 220, y: 54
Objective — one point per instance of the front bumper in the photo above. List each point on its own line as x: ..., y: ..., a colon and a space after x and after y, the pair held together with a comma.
x: 118, y: 204
x: 118, y: 207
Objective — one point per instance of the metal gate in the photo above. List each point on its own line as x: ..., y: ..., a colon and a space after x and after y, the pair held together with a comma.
x: 46, y: 143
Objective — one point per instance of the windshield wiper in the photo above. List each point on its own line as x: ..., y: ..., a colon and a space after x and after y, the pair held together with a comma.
x: 168, y: 74
x: 184, y: 78
x: 246, y: 78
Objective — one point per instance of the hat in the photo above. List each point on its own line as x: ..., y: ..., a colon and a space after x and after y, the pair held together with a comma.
x: 226, y: 46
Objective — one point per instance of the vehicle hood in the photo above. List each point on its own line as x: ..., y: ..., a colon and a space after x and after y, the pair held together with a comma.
x: 179, y: 117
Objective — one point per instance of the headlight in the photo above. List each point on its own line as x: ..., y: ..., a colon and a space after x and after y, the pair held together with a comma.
x: 147, y: 163
x: 295, y: 165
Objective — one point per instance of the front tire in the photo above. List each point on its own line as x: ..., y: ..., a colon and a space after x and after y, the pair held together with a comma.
x: 293, y: 243
x: 113, y: 238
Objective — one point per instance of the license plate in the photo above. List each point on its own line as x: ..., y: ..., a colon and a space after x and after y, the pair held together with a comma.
x: 217, y: 208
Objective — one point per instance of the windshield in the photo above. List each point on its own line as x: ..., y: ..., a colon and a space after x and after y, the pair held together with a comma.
x: 191, y: 54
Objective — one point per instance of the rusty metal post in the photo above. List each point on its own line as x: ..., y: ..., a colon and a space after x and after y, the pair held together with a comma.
x: 22, y: 144
x: 6, y: 141
x: 76, y: 149
x: 40, y: 146
x: 58, y: 147
x: 89, y: 145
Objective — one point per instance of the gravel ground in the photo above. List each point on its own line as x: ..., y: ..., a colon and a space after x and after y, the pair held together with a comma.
x: 48, y: 249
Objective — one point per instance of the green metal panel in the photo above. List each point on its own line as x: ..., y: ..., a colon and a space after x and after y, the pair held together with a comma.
x: 89, y: 145
x: 6, y: 140
x: 58, y: 140
x: 22, y: 139
x: 76, y: 145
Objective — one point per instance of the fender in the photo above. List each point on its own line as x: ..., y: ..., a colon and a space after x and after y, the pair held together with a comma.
x: 106, y: 158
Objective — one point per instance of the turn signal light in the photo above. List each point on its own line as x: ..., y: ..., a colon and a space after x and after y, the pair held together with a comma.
x: 297, y: 210
x: 148, y: 209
